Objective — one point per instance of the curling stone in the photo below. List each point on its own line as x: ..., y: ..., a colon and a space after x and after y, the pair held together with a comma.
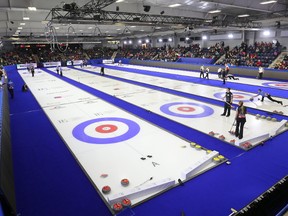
x: 286, y: 124
x: 216, y: 159
x: 274, y: 119
x: 193, y: 144
x: 251, y: 99
x: 208, y: 151
x: 221, y: 157
x: 198, y: 147
x: 106, y: 189
x: 232, y: 141
x: 257, y: 116
x: 263, y: 116
x: 280, y: 112
x: 269, y: 118
x: 126, y: 202
x: 275, y: 111
x: 246, y: 145
x: 222, y: 137
x: 117, y: 207
x: 211, y: 133
x: 125, y: 182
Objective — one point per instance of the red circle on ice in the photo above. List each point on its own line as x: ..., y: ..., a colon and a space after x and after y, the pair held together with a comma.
x: 238, y: 96
x: 186, y: 109
x: 107, y: 128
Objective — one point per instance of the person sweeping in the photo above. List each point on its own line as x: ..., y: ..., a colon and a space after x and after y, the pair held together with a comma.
x: 240, y: 118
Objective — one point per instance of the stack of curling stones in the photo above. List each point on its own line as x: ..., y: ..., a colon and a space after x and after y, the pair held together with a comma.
x: 219, y: 158
x: 117, y: 207
x: 195, y: 145
x: 278, y: 112
x: 269, y: 118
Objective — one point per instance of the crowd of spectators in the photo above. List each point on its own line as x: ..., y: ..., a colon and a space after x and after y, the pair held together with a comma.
x: 259, y: 54
x: 282, y: 65
x: 170, y: 54
x: 16, y: 57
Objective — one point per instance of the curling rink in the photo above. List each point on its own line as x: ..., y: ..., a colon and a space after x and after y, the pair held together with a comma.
x: 206, y: 91
x: 201, y: 116
x: 111, y: 144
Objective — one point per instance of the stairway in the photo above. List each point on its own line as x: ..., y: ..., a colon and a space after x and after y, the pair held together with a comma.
x: 220, y: 59
x: 278, y: 59
x: 114, y: 55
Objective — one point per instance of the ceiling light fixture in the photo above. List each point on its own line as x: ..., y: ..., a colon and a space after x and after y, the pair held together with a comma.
x: 174, y: 5
x: 244, y: 15
x: 26, y: 18
x: 32, y: 8
x: 266, y: 33
x: 268, y: 2
x: 230, y: 35
x: 214, y: 11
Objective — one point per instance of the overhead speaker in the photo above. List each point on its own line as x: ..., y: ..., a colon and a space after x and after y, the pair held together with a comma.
x: 147, y: 8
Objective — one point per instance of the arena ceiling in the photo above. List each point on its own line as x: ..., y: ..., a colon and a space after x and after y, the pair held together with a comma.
x: 102, y: 19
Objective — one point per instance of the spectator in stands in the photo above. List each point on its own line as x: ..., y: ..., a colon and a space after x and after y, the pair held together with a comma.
x: 264, y: 94
x: 259, y: 63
